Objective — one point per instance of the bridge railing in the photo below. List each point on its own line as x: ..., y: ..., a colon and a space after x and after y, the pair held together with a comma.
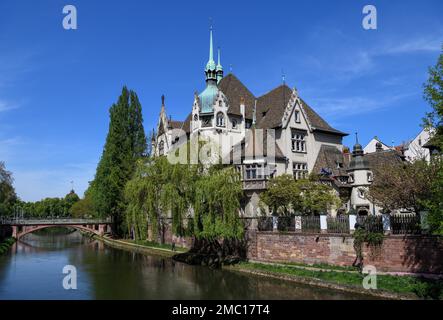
x: 55, y: 221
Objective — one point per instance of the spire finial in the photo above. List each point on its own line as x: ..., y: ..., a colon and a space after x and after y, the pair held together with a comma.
x: 211, y: 53
x: 163, y: 99
x: 218, y: 60
x: 254, y: 114
x: 283, y: 77
x: 356, y: 137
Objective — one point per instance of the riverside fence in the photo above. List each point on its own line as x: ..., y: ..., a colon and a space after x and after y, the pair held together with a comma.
x: 342, y: 224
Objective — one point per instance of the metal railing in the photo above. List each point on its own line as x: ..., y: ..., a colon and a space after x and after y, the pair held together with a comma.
x: 405, y: 224
x: 339, y: 224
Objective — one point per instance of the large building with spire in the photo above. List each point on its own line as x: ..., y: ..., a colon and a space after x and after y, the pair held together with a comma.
x: 299, y: 140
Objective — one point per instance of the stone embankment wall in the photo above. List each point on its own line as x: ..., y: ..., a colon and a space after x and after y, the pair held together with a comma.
x: 418, y: 254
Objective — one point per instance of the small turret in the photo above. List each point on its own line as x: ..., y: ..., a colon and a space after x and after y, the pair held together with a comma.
x: 358, y: 162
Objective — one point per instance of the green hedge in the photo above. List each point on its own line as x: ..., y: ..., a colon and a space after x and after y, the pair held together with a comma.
x: 6, y: 244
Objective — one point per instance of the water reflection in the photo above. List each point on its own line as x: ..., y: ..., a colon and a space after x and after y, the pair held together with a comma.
x: 33, y: 270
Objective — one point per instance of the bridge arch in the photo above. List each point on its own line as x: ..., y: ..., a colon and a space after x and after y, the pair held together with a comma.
x: 20, y: 231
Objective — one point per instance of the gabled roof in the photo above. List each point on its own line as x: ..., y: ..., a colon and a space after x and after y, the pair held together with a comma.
x: 271, y: 107
x: 234, y: 90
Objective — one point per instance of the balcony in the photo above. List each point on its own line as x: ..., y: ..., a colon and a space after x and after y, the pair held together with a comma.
x: 254, y: 184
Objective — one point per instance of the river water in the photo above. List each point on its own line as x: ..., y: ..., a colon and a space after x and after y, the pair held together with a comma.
x: 33, y: 269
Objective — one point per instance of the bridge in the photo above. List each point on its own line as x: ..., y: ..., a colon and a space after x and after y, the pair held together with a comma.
x: 21, y: 227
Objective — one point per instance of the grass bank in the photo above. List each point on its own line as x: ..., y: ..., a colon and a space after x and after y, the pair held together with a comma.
x: 144, y: 247
x: 407, y: 286
x: 156, y: 245
x: 6, y: 244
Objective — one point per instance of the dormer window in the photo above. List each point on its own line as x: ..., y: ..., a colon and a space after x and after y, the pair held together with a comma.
x: 220, y: 119
x: 369, y: 175
x: 195, y: 117
x: 219, y: 103
x: 234, y: 124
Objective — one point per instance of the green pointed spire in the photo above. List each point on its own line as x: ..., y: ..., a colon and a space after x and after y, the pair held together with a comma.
x: 211, y: 54
x: 211, y: 63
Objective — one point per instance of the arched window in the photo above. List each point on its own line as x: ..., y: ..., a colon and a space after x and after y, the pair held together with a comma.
x: 220, y: 119
x: 195, y: 117
x: 161, y: 148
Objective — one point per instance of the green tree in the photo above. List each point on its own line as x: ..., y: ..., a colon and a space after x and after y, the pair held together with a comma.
x: 7, y: 192
x: 403, y: 185
x: 433, y: 94
x: 82, y: 208
x: 160, y: 189
x: 434, y: 202
x: 286, y: 196
x: 125, y: 144
x: 71, y: 198
x: 316, y: 197
x: 282, y: 196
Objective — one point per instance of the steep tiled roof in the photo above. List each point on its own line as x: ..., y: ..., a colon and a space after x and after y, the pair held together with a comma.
x: 172, y: 124
x: 381, y: 158
x: 187, y: 123
x: 271, y: 106
x: 234, y: 90
x: 329, y: 157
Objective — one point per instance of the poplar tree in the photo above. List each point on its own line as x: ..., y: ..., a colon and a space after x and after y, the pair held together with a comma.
x: 125, y: 144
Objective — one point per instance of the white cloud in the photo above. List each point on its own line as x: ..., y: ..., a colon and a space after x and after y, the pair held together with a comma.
x: 422, y: 44
x: 351, y: 106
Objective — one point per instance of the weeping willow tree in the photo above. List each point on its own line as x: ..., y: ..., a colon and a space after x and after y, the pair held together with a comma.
x: 216, y: 204
x: 156, y: 190
x: 202, y: 201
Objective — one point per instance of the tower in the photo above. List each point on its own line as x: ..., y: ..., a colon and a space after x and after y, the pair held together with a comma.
x: 208, y: 95
x: 211, y: 68
x: 361, y: 176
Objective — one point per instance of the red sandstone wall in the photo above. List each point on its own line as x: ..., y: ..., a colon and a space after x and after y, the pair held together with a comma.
x: 398, y: 253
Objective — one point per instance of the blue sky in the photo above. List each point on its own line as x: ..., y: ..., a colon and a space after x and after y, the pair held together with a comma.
x: 57, y: 85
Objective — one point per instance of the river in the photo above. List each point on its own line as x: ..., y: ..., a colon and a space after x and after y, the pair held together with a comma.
x: 33, y: 269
